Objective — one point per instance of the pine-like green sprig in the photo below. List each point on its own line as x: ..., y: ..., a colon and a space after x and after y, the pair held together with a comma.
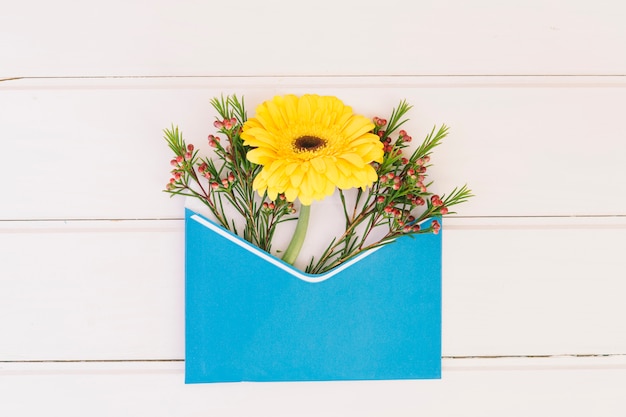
x: 399, y: 202
x: 226, y: 181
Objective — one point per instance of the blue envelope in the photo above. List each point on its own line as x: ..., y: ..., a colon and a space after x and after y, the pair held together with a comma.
x: 252, y: 317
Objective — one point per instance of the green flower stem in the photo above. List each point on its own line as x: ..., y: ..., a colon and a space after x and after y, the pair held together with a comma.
x: 297, y: 239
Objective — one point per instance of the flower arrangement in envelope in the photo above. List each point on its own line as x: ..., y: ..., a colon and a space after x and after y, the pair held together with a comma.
x: 366, y: 302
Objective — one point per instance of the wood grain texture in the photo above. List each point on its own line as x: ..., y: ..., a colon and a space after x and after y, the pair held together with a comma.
x: 279, y: 37
x: 526, y: 146
x: 474, y: 387
x: 114, y: 289
x: 91, y: 250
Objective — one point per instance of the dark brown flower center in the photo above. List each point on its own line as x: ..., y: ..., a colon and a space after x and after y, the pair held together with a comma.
x: 308, y: 143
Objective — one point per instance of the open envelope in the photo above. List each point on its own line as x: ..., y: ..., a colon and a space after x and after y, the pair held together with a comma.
x: 251, y: 317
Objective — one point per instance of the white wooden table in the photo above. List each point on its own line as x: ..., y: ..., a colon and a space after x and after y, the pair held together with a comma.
x: 91, y: 250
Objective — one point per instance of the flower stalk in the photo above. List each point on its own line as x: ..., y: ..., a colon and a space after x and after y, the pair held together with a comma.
x: 297, y: 240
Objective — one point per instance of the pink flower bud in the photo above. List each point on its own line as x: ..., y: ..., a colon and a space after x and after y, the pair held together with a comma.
x: 443, y: 210
x: 436, y: 226
x: 218, y: 124
x: 190, y: 148
x: 173, y: 162
x: 402, y: 132
x: 215, y: 185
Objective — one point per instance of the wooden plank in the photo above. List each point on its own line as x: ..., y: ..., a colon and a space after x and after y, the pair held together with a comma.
x: 92, y: 290
x: 114, y: 289
x: 353, y: 37
x: 495, y: 387
x: 534, y: 286
x: 526, y: 146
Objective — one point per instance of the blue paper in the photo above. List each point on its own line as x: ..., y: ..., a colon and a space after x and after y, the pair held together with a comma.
x: 251, y: 317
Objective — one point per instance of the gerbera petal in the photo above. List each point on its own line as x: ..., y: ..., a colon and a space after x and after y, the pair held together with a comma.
x: 261, y: 156
x: 330, y: 188
x: 274, y: 109
x: 357, y: 126
x: 331, y: 171
x: 272, y: 193
x: 310, y: 145
x: 258, y: 136
x: 344, y: 167
x: 318, y: 164
x: 304, y: 108
x: 291, y: 193
x: 259, y: 184
x: 317, y: 181
x: 291, y: 107
x: 370, y: 152
x: 366, y: 138
x: 290, y: 168
x: 296, y: 178
x: 306, y: 188
x: 276, y: 179
x: 354, y: 159
x: 305, y: 200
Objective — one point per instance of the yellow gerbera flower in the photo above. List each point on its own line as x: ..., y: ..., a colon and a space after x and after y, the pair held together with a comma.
x: 309, y: 145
